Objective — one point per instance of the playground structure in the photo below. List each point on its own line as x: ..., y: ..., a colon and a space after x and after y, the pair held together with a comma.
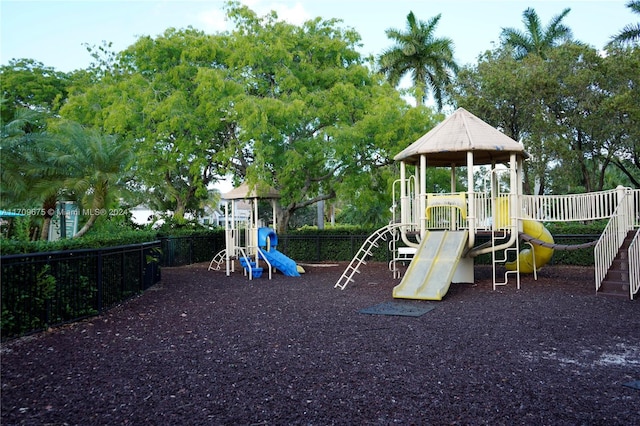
x: 437, y: 233
x: 252, y: 245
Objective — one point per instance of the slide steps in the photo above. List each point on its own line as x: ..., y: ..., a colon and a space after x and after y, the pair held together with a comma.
x: 617, y: 281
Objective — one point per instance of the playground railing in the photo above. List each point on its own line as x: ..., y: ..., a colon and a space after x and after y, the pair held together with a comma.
x: 634, y: 265
x: 635, y: 207
x: 445, y: 217
x: 449, y: 217
x: 45, y: 289
x: 571, y: 207
x: 621, y: 222
x: 483, y: 211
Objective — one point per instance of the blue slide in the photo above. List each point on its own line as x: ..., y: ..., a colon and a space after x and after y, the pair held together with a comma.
x: 281, y: 262
x: 267, y: 241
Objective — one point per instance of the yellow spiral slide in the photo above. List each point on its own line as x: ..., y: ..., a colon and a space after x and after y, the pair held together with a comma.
x: 541, y: 255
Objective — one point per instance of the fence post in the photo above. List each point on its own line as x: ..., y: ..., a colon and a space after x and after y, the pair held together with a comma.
x: 351, y: 238
x: 141, y: 269
x: 622, y: 212
x: 99, y: 280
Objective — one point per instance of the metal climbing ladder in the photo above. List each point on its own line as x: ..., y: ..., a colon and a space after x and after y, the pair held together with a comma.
x: 365, y: 250
x: 497, y: 238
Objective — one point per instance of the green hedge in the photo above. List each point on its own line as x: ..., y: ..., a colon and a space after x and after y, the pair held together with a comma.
x: 333, y: 244
x: 90, y: 241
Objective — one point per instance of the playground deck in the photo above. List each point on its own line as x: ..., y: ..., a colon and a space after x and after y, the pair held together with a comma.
x: 204, y: 348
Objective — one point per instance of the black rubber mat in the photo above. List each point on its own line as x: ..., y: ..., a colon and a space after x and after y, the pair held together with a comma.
x: 405, y: 309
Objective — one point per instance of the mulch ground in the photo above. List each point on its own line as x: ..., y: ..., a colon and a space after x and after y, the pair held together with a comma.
x: 201, y: 348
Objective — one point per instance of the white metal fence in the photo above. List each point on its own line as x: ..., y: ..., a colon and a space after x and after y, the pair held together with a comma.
x: 571, y: 207
x: 544, y: 208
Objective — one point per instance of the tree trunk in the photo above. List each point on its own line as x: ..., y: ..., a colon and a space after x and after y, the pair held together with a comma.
x: 49, y: 208
x: 178, y: 214
x: 97, y: 206
x: 44, y: 232
x: 284, y: 215
x: 87, y: 226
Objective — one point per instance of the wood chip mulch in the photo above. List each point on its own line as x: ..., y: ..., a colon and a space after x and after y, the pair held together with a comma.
x: 201, y: 348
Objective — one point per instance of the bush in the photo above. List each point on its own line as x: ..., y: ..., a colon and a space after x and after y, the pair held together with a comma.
x: 576, y: 228
x: 89, y: 241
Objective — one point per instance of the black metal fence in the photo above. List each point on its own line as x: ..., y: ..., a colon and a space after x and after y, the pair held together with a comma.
x: 40, y: 290
x: 329, y: 248
x: 179, y: 251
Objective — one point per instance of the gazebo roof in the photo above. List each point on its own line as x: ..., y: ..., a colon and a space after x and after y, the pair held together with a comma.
x: 243, y: 193
x: 448, y: 143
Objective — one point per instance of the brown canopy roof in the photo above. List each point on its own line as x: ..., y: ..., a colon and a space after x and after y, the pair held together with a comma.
x: 242, y: 193
x: 449, y: 142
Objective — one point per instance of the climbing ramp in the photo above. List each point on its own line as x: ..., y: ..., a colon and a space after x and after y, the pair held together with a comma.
x: 433, y: 266
x: 218, y: 259
x: 365, y: 251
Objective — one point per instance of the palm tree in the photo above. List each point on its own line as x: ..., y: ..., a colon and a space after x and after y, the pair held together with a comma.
x: 536, y: 39
x: 429, y: 60
x: 89, y: 164
x: 631, y: 32
x: 22, y: 156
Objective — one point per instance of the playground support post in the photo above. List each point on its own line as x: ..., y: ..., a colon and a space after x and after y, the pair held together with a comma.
x: 471, y: 202
x: 404, y: 202
x: 423, y: 194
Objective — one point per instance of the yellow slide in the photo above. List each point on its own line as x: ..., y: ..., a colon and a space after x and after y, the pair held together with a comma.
x: 542, y: 255
x: 433, y: 266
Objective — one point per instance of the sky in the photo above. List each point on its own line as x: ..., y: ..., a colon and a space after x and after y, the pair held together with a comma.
x: 55, y: 32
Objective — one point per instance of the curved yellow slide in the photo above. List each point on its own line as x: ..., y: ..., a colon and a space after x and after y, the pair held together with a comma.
x: 542, y: 255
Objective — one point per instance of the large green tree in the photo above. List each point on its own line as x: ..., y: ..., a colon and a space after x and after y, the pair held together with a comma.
x: 24, y: 182
x: 621, y: 109
x: 575, y: 112
x: 173, y: 98
x: 275, y: 104
x: 536, y: 38
x: 574, y: 117
x: 58, y: 159
x: 427, y: 59
x: 314, y: 122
